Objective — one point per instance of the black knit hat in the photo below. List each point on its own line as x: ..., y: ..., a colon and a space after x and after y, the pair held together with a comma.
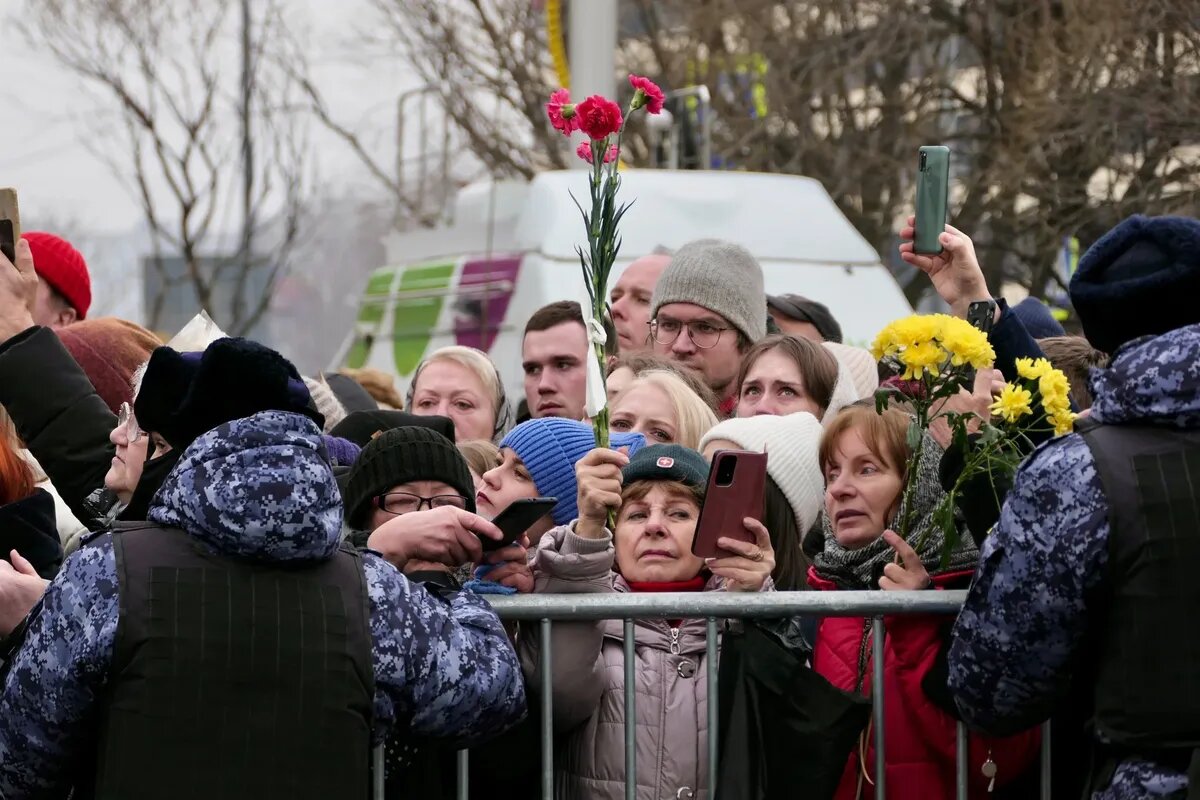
x: 361, y: 427
x: 1140, y: 279
x: 184, y: 395
x: 801, y: 309
x: 667, y: 462
x: 401, y: 455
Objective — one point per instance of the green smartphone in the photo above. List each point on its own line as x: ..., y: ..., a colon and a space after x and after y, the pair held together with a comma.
x: 933, y: 184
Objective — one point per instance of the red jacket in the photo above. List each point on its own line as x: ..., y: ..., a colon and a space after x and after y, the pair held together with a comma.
x: 920, y: 736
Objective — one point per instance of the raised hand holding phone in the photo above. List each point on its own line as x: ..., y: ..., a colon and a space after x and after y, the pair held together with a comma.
x: 18, y: 280
x: 750, y: 563
x: 10, y: 224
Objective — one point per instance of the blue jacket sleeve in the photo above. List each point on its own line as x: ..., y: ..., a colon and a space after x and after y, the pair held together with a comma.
x: 1014, y: 644
x: 443, y: 668
x: 1011, y: 341
x: 50, y: 691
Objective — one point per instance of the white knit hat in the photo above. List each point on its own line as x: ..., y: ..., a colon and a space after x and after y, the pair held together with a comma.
x: 858, y: 377
x: 792, y: 444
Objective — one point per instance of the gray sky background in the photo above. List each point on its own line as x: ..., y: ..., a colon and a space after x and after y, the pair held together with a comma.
x: 48, y: 112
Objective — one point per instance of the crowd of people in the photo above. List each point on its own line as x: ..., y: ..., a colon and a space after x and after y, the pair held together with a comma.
x: 222, y: 578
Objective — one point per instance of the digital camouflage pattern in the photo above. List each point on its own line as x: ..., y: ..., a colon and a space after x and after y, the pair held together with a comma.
x: 1026, y: 614
x: 257, y: 488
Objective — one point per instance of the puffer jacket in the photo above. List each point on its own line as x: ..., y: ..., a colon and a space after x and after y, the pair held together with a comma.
x: 588, y: 665
x: 920, y: 736
x: 257, y: 489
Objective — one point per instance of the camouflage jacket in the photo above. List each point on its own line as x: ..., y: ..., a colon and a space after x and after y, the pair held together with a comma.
x: 1027, y: 613
x: 257, y: 488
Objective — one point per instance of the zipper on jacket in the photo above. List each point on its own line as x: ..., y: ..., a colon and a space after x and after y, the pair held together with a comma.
x: 675, y: 641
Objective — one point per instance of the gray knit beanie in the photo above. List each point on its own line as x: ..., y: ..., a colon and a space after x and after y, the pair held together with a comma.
x: 720, y: 276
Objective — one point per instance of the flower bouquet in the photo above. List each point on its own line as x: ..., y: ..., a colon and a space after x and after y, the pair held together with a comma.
x: 602, y: 121
x: 938, y: 356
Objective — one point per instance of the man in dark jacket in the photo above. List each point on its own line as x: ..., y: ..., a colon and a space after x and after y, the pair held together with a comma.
x: 234, y: 623
x: 1087, y: 584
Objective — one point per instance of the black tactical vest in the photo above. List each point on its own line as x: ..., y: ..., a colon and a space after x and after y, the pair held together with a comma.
x: 233, y: 679
x: 1147, y: 629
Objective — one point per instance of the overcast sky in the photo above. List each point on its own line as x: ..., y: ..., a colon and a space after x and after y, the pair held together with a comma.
x: 47, y: 113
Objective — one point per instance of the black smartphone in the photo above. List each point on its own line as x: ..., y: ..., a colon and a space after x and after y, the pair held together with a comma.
x: 516, y: 519
x: 10, y: 224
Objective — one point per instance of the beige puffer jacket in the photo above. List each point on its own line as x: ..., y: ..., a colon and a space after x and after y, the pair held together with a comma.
x: 588, y: 667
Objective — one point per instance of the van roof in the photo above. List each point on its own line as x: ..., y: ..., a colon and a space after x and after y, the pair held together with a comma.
x: 776, y: 217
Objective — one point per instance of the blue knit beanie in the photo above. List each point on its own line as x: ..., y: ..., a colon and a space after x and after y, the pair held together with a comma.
x: 1140, y: 279
x: 549, y: 447
x: 1037, y: 319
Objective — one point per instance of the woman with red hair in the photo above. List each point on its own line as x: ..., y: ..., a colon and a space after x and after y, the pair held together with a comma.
x: 27, y: 522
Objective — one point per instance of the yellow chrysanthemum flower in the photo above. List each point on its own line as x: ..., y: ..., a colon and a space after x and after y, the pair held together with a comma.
x: 904, y: 333
x: 1055, y: 389
x: 1013, y: 403
x: 1063, y: 422
x: 926, y: 357
x: 966, y: 344
x: 1032, y: 370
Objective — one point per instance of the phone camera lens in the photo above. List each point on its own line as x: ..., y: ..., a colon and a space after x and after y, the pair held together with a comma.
x: 923, y: 157
x: 725, y: 470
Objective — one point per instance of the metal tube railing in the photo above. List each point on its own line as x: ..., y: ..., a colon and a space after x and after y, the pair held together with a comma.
x: 547, y: 714
x: 713, y: 606
x: 962, y: 755
x: 877, y: 704
x: 630, y: 713
x: 728, y: 605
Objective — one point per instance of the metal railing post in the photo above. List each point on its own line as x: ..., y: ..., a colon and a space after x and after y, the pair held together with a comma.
x: 630, y: 713
x: 962, y: 755
x: 547, y: 715
x: 377, y: 776
x: 1046, y: 771
x: 714, y: 717
x: 877, y: 700
x: 462, y: 766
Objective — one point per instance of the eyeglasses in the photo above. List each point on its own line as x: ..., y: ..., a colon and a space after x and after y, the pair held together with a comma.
x: 126, y: 420
x: 703, y: 334
x: 404, y: 503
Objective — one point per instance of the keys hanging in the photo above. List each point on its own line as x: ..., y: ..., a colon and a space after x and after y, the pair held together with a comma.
x: 989, y: 771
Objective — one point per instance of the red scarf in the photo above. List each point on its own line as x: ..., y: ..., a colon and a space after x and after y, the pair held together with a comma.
x: 696, y: 584
x: 727, y: 407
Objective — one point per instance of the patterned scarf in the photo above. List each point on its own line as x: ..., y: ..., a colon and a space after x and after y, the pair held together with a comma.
x: 859, y: 569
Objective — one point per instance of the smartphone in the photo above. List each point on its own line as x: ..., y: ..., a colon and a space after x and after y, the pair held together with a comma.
x: 933, y: 186
x: 737, y: 487
x: 10, y: 224
x: 516, y: 519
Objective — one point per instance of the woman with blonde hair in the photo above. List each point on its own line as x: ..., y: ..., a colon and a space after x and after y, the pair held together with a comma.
x: 661, y: 406
x: 482, y: 456
x: 463, y: 384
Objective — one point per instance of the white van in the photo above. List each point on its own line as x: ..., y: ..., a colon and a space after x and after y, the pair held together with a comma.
x: 511, y: 250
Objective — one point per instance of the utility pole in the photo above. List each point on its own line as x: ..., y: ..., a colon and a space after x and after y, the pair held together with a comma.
x: 248, y: 222
x: 592, y: 51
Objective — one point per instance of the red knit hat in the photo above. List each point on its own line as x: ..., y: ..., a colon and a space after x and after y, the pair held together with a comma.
x: 59, y: 264
x: 109, y: 350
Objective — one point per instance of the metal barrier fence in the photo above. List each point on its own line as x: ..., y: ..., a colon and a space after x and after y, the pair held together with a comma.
x: 715, y: 606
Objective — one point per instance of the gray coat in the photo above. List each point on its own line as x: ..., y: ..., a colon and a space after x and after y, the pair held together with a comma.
x: 589, y: 682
